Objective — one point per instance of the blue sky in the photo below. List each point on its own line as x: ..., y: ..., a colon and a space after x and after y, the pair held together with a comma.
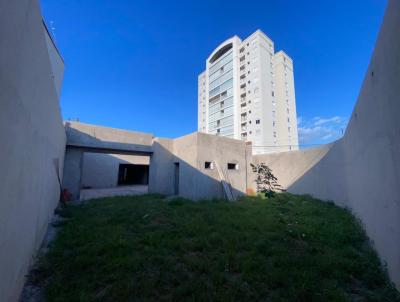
x: 134, y: 64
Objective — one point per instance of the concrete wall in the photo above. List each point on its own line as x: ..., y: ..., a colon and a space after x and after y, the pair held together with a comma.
x: 83, y: 138
x: 223, y: 151
x: 99, y: 137
x: 362, y: 170
x: 57, y: 62
x: 32, y: 137
x: 191, y: 152
x: 161, y: 171
x: 100, y: 170
x: 72, y: 176
x: 185, y: 153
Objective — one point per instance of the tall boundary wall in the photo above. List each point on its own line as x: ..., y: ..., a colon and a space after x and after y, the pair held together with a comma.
x: 32, y: 139
x: 362, y: 170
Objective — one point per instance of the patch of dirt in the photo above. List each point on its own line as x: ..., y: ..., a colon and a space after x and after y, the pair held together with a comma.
x: 34, y: 292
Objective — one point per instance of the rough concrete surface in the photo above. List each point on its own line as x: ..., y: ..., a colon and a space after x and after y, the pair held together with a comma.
x: 31, y: 292
x: 362, y: 170
x: 100, y: 170
x: 33, y: 140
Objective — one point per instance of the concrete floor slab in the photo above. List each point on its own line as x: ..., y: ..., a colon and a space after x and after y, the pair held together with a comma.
x: 109, y: 192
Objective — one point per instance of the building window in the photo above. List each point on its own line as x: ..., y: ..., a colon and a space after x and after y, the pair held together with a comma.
x: 273, y: 94
x: 209, y: 165
x: 232, y: 166
x: 274, y: 134
x: 257, y: 121
x: 288, y: 128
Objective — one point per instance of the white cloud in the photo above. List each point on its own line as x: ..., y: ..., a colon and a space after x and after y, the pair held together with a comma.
x: 320, y: 121
x: 320, y: 130
x: 299, y: 120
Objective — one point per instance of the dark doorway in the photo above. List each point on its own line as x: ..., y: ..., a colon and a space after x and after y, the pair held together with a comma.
x: 129, y: 174
x: 176, y: 183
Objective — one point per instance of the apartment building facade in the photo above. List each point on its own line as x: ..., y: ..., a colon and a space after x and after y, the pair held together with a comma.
x: 247, y: 92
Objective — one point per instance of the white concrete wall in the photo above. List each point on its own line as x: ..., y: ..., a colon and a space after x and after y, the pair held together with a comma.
x: 362, y: 170
x: 32, y: 137
x: 100, y: 170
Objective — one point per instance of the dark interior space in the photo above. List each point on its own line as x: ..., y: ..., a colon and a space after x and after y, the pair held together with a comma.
x: 130, y: 174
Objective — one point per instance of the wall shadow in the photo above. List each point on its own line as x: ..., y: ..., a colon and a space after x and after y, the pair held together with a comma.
x: 194, y: 182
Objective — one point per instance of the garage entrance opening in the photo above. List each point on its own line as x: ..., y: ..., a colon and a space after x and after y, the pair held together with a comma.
x: 130, y: 174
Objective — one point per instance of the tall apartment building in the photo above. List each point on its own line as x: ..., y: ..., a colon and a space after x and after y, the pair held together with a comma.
x: 247, y: 92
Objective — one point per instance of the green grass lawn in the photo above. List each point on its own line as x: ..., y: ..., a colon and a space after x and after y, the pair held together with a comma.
x: 145, y: 248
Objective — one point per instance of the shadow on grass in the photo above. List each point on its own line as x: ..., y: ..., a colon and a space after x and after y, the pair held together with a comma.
x: 286, y: 248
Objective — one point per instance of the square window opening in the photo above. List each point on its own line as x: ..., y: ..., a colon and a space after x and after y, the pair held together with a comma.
x: 209, y: 165
x: 233, y: 166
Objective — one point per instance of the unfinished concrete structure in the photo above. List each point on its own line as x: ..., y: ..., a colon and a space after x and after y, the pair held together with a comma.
x: 32, y: 136
x: 191, y: 166
x: 88, y: 139
x: 360, y: 171
x: 115, y: 168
